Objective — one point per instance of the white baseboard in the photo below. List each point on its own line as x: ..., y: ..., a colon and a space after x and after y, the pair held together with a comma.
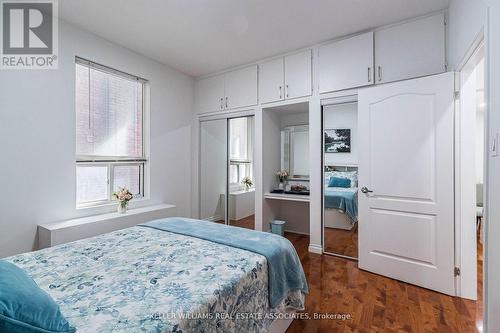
x: 315, y: 248
x: 296, y: 232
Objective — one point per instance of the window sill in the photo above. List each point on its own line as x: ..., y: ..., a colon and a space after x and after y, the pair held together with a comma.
x: 70, y: 230
x: 110, y: 204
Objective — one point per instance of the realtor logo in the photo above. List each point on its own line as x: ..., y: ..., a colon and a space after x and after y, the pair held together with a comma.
x: 28, y: 34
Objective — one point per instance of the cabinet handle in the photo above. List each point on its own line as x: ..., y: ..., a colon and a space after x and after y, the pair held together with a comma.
x: 280, y: 92
x: 380, y: 73
x: 221, y: 103
x: 226, y: 102
x: 286, y: 91
x: 369, y: 74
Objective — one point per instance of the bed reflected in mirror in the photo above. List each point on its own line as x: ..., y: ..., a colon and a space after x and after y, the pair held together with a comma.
x: 340, y: 215
x: 340, y: 180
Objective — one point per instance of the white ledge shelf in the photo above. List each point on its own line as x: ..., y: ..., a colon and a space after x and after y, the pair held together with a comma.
x: 285, y: 196
x: 70, y: 230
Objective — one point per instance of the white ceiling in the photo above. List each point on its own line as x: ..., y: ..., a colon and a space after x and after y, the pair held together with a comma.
x: 203, y: 36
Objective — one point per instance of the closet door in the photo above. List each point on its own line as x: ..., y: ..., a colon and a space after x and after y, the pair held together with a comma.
x: 241, y: 87
x: 271, y: 76
x: 346, y: 64
x: 406, y: 204
x: 298, y: 79
x: 410, y: 50
x: 213, y: 170
x: 210, y: 94
x: 241, y: 202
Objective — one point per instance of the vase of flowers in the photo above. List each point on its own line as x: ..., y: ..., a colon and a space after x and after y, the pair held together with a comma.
x: 247, y: 181
x: 282, y: 177
x: 123, y: 196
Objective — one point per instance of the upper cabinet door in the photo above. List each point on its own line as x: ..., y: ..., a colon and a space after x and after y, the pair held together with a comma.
x: 347, y: 63
x: 410, y: 50
x: 271, y: 76
x: 241, y: 87
x: 298, y: 75
x: 210, y: 94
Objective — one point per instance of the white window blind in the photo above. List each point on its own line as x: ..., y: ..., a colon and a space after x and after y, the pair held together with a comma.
x: 109, y: 107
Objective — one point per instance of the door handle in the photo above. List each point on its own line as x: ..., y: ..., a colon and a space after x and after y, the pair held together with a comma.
x: 365, y: 190
x: 286, y: 90
x: 369, y: 74
x: 221, y: 103
x: 380, y: 73
x: 280, y: 92
x: 226, y: 102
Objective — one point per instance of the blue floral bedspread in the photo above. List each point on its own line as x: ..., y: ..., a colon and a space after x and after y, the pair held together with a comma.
x: 146, y: 280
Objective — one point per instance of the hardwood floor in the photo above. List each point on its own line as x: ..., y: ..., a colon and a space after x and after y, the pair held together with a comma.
x: 246, y: 222
x: 340, y: 241
x: 375, y: 303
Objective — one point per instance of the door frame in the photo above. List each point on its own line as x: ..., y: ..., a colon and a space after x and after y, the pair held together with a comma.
x: 465, y: 241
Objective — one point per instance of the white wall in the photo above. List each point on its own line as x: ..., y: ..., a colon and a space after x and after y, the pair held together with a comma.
x: 37, y: 131
x: 466, y: 19
x: 271, y: 162
x: 480, y: 147
x: 293, y: 119
x: 337, y: 117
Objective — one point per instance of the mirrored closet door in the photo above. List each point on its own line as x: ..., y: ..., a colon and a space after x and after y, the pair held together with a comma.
x: 340, y: 179
x: 227, y: 193
x: 241, y: 203
x: 213, y: 170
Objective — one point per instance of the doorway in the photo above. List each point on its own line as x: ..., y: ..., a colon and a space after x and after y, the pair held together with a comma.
x: 470, y: 164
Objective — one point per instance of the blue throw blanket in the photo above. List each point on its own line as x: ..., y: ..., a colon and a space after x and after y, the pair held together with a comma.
x: 284, y: 267
x: 344, y: 199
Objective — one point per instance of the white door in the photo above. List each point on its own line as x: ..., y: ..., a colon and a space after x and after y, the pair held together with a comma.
x: 271, y: 76
x: 406, y: 140
x: 298, y: 75
x: 210, y: 94
x: 241, y: 87
x: 410, y: 50
x: 347, y: 63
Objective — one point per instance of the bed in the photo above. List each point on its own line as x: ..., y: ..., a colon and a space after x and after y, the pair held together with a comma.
x: 341, y: 203
x: 144, y: 279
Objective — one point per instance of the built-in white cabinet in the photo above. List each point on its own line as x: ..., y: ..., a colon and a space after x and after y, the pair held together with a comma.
x: 347, y: 63
x: 230, y: 90
x: 298, y: 75
x: 241, y: 88
x: 398, y: 52
x: 410, y: 49
x: 271, y: 81
x: 210, y: 94
x: 285, y: 77
x: 402, y: 51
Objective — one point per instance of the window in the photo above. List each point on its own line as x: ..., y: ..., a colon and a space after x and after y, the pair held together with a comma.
x: 109, y: 133
x: 241, y: 150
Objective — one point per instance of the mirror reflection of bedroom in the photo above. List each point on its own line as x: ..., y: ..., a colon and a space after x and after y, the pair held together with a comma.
x: 340, y: 180
x: 226, y: 166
